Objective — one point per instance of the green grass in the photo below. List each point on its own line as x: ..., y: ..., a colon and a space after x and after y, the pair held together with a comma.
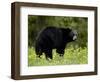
x: 71, y: 56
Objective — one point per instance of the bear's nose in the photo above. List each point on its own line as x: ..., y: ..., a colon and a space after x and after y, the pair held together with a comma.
x: 74, y: 37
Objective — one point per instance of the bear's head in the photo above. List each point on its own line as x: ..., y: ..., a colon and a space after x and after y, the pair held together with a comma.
x: 73, y: 34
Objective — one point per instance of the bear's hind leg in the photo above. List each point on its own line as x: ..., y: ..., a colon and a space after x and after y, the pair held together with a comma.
x: 38, y: 54
x: 60, y: 52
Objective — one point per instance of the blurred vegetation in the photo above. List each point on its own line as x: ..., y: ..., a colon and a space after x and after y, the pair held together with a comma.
x: 80, y: 24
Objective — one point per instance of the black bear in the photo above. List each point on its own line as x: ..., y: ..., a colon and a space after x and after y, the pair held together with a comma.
x: 53, y: 38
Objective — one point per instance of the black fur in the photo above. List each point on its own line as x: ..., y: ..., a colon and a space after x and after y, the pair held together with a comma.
x: 53, y: 38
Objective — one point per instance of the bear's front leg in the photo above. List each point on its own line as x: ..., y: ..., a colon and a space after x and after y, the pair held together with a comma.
x: 48, y: 54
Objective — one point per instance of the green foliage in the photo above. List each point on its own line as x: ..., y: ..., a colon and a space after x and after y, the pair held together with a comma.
x: 36, y: 23
x: 71, y: 56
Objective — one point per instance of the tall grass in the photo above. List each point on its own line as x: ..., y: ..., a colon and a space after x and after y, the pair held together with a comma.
x: 71, y: 56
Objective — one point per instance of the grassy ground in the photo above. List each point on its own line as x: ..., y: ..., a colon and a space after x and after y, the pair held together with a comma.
x: 71, y: 56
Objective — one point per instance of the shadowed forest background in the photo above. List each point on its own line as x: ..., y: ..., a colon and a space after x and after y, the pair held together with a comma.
x: 75, y: 52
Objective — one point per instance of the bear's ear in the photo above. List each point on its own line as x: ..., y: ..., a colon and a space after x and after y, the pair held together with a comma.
x: 69, y: 30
